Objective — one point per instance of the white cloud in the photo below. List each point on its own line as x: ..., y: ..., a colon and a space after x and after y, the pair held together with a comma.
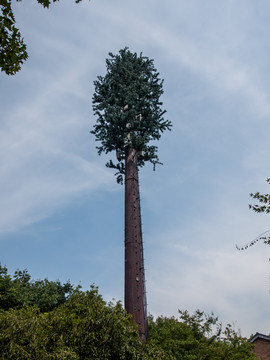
x: 44, y: 163
x: 220, y: 281
x: 208, y: 55
x: 197, y: 265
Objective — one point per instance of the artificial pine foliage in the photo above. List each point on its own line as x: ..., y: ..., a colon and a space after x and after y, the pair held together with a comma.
x: 126, y: 101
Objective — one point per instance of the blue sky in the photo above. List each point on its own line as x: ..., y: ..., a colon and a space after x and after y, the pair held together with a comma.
x: 61, y: 210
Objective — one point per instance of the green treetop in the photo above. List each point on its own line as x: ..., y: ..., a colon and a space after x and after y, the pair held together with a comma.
x: 126, y: 101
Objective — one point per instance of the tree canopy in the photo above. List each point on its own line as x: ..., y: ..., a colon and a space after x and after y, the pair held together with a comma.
x: 81, y: 325
x: 13, y: 52
x: 44, y: 320
x: 127, y: 104
x: 19, y: 290
x: 84, y: 327
x: 198, y: 336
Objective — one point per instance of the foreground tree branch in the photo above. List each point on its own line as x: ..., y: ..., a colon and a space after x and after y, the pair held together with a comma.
x: 13, y: 52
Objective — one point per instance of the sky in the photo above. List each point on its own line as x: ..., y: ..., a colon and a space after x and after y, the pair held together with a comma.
x: 61, y: 210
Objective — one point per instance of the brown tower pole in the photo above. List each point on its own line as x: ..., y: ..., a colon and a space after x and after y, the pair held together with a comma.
x: 126, y: 101
x: 135, y: 299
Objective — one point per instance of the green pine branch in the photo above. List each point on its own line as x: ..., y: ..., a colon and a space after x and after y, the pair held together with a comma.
x: 129, y: 112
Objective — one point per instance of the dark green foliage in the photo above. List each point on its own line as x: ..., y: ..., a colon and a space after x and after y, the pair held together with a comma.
x: 83, y: 327
x: 264, y: 200
x: 19, y: 290
x: 12, y: 47
x: 94, y: 329
x: 198, y: 337
x: 263, y: 207
x: 127, y: 103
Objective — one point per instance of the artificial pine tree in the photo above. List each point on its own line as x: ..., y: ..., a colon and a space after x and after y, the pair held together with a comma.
x: 126, y: 102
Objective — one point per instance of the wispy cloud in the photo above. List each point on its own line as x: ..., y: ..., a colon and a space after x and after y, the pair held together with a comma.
x: 212, y: 280
x: 209, y: 56
x: 43, y: 162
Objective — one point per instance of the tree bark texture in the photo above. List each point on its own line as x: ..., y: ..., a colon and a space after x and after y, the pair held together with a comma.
x: 135, y: 299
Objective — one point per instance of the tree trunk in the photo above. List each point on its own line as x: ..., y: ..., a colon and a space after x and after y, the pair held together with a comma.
x: 135, y: 302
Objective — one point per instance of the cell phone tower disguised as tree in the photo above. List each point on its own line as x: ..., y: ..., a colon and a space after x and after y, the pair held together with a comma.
x: 129, y: 116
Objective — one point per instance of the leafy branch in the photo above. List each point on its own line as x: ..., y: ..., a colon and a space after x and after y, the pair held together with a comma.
x: 13, y: 52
